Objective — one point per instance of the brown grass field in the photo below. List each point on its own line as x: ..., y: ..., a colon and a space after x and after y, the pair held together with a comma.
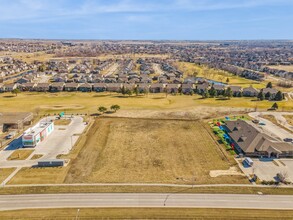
x: 4, y: 173
x: 122, y: 150
x: 282, y: 67
x: 20, y: 154
x: 149, y: 151
x: 77, y: 102
x: 289, y: 119
x: 28, y: 57
x: 148, y: 213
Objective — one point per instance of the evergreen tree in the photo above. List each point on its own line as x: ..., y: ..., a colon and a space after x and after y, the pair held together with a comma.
x: 269, y: 85
x: 268, y: 95
x: 212, y: 92
x: 275, y: 106
x: 279, y: 96
x: 261, y: 96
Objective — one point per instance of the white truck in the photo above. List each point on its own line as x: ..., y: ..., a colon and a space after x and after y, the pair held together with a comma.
x: 248, y: 161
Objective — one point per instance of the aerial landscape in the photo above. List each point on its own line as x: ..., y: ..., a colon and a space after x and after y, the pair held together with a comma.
x: 129, y: 115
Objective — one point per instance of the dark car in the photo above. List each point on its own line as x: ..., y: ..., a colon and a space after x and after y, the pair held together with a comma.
x: 288, y: 139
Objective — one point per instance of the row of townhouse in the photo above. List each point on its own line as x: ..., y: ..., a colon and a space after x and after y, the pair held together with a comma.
x: 99, y: 87
x: 269, y: 93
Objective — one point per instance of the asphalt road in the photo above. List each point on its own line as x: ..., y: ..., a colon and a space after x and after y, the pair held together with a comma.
x: 13, y: 202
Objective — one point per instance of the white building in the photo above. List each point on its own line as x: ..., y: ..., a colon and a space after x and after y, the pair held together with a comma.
x: 37, y: 134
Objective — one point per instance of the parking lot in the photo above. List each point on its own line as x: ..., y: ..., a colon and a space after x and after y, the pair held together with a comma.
x: 60, y: 141
x: 267, y: 169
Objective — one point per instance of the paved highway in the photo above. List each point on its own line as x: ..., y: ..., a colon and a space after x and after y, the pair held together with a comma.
x: 13, y: 202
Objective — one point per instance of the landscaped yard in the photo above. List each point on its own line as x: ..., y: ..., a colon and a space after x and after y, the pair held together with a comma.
x: 20, y: 154
x: 39, y: 176
x: 62, y: 122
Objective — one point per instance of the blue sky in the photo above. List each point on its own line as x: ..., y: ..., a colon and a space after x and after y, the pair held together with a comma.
x: 147, y: 19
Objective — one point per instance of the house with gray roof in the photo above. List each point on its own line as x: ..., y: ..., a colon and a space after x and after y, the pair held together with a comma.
x: 250, y: 92
x: 252, y: 142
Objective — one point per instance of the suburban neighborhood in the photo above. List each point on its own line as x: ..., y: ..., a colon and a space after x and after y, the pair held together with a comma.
x: 132, y: 110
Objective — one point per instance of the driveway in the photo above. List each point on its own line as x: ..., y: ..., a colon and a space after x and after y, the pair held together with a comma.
x: 271, y: 128
x: 267, y: 169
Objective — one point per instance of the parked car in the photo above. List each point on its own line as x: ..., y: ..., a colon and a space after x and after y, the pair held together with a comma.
x: 288, y: 140
x: 248, y: 161
x: 10, y: 135
x: 255, y: 121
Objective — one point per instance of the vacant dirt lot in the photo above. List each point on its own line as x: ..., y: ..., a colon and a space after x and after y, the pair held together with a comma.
x: 148, y: 151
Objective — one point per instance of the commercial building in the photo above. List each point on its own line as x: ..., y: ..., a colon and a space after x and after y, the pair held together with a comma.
x: 253, y: 143
x: 14, y: 120
x: 37, y: 134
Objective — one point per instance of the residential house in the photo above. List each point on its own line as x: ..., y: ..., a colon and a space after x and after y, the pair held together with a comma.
x: 100, y: 87
x: 187, y: 88
x: 42, y: 87
x: 114, y: 87
x: 201, y: 88
x: 270, y: 93
x: 71, y: 87
x: 172, y: 88
x: 85, y: 87
x: 57, y: 87
x: 143, y: 87
x: 157, y: 88
x: 220, y: 88
x: 250, y: 92
x: 10, y: 87
x: 236, y: 90
x: 27, y: 87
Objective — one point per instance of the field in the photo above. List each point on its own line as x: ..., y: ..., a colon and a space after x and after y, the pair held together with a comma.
x: 117, y: 150
x: 39, y: 176
x: 221, y: 76
x: 157, y: 103
x: 5, y: 172
x: 218, y: 75
x: 289, y: 119
x: 147, y: 213
x: 149, y: 151
x: 20, y: 154
x: 281, y: 67
x: 28, y: 57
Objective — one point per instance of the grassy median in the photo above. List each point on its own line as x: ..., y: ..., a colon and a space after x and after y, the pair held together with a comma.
x: 146, y: 213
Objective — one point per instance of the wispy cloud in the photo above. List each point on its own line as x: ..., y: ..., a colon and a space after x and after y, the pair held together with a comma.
x: 31, y: 9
